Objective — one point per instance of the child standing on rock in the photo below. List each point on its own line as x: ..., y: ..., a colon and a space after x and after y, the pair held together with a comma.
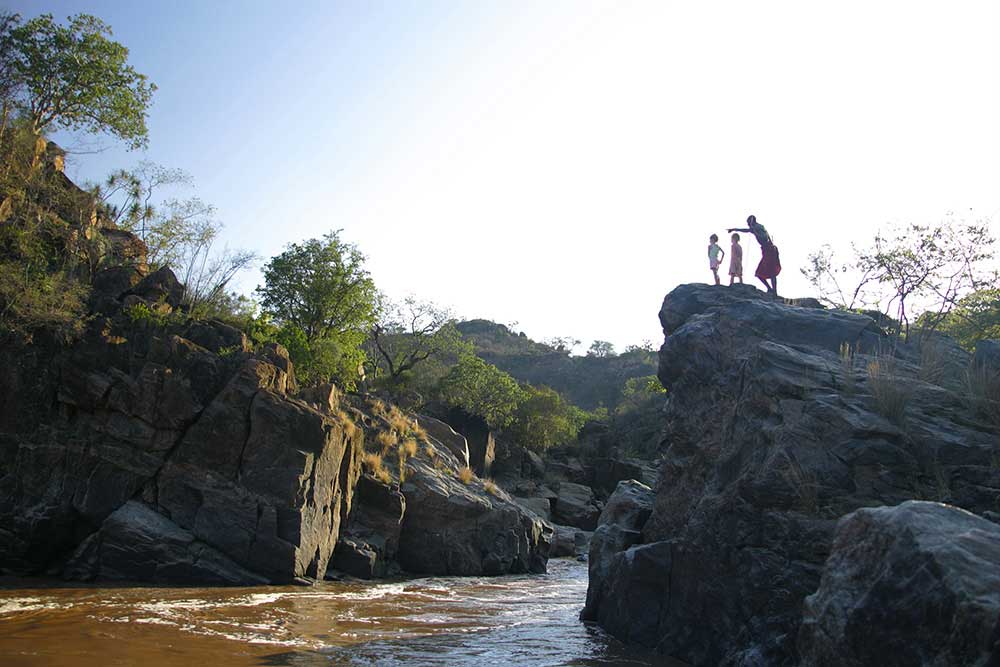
x: 715, y: 255
x: 736, y: 261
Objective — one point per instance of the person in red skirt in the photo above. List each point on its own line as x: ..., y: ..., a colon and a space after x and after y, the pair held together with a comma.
x: 770, y: 261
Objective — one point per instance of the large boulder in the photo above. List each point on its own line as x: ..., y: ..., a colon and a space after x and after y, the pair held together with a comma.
x: 915, y: 584
x: 136, y: 543
x: 576, y: 506
x: 452, y: 528
x: 619, y: 527
x: 770, y: 435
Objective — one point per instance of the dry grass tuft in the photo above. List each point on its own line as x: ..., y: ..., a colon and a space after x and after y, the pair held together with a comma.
x: 350, y: 428
x: 430, y: 451
x: 372, y: 461
x: 410, y: 447
x: 933, y: 362
x: 419, y: 432
x: 383, y: 476
x: 889, y: 389
x: 465, y: 474
x: 491, y: 487
x: 377, y: 407
x: 386, y: 440
x: 982, y: 388
x: 847, y: 368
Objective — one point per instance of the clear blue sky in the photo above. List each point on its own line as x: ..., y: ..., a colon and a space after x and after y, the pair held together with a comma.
x: 561, y: 164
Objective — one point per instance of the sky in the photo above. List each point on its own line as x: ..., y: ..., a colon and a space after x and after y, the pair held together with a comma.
x: 561, y: 164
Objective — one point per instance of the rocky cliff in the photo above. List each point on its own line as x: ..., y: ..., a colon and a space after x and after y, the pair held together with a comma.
x: 782, y: 417
x: 156, y: 447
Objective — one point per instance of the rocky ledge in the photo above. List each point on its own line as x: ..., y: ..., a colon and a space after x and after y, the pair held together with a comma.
x: 161, y: 449
x: 783, y: 417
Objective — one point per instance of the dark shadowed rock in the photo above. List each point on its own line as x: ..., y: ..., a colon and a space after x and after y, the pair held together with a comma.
x: 160, y: 286
x: 451, y: 528
x: 619, y: 527
x: 569, y: 541
x: 482, y: 442
x: 135, y: 543
x: 446, y: 435
x: 915, y: 584
x: 576, y: 506
x: 371, y: 539
x: 540, y: 506
x: 987, y: 355
x: 769, y: 437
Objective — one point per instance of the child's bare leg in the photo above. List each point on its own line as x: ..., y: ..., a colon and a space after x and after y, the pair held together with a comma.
x: 715, y: 272
x: 730, y: 281
x: 766, y: 285
x: 774, y: 285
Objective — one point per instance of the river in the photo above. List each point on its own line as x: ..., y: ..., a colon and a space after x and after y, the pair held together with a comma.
x: 511, y: 621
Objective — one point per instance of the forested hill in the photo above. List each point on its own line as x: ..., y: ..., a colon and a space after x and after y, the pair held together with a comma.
x: 587, y: 381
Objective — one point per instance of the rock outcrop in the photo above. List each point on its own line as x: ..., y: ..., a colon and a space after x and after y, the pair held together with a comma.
x: 138, y: 414
x: 915, y: 584
x: 137, y: 453
x: 453, y: 528
x: 772, y: 434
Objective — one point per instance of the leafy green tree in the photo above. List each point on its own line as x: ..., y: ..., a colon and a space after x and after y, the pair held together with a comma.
x: 543, y: 419
x: 481, y: 389
x: 975, y: 317
x: 410, y: 333
x: 320, y: 295
x: 75, y: 77
x: 601, y: 348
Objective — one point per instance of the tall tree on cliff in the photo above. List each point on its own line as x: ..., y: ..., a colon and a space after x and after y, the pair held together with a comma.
x: 74, y: 77
x: 323, y: 299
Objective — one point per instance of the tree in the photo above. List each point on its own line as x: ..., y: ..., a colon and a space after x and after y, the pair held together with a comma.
x: 601, y: 348
x: 76, y: 78
x: 481, y: 389
x: 907, y: 269
x: 543, y: 419
x: 179, y: 233
x: 319, y: 293
x: 975, y: 317
x: 563, y: 343
x: 409, y: 333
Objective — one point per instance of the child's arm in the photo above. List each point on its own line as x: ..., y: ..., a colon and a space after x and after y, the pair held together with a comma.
x: 737, y: 229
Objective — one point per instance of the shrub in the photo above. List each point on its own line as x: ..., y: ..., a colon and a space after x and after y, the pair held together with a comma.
x: 889, y: 389
x: 491, y: 487
x: 465, y: 474
x: 430, y: 451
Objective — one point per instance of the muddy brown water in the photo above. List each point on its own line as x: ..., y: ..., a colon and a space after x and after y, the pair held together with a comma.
x: 510, y: 621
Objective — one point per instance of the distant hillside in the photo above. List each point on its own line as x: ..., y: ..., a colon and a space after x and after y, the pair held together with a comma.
x: 586, y: 381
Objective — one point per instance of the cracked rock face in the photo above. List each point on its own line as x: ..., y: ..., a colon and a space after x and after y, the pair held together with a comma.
x: 915, y: 584
x: 136, y: 453
x: 771, y: 437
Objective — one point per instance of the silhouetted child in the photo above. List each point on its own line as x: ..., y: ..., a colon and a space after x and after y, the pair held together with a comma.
x: 715, y: 255
x: 736, y: 260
